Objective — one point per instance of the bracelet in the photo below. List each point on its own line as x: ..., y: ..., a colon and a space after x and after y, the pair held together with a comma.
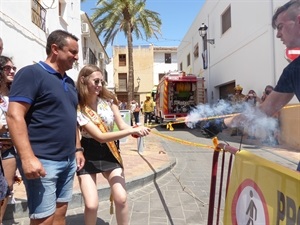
x: 81, y: 149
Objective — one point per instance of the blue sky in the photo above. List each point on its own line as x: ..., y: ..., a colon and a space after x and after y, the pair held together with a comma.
x: 176, y: 16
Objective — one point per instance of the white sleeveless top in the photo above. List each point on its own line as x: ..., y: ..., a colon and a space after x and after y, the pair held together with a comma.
x: 105, y: 113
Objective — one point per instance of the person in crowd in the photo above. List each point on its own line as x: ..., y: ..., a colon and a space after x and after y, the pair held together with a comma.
x: 135, y: 112
x: 42, y: 121
x: 142, y: 105
x: 1, y: 46
x: 238, y: 96
x: 267, y: 91
x: 4, y: 189
x: 8, y: 155
x: 123, y: 105
x: 251, y: 98
x: 148, y: 109
x: 236, y: 101
x: 286, y: 20
x: 97, y: 113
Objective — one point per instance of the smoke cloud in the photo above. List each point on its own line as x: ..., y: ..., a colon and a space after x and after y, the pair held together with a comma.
x: 256, y: 123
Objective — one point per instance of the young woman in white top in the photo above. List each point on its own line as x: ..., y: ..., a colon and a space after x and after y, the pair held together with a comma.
x: 97, y: 113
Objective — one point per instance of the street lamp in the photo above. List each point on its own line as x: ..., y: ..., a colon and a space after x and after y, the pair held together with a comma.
x: 138, y: 81
x: 203, y: 33
x: 205, y: 57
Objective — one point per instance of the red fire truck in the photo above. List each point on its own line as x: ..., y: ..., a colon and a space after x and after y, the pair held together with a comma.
x: 177, y: 93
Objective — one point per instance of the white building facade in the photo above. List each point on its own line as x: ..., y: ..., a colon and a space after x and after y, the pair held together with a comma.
x: 165, y: 60
x: 93, y: 51
x: 25, y: 26
x: 240, y: 47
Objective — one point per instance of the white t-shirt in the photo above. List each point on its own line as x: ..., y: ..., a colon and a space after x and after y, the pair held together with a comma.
x: 133, y: 106
x: 3, y: 109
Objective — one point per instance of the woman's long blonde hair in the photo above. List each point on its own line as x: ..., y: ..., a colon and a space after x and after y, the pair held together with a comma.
x: 83, y: 93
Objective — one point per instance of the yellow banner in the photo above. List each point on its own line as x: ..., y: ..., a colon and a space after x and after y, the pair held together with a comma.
x: 262, y: 193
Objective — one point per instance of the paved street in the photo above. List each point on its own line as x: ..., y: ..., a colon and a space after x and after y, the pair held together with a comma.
x: 181, y: 196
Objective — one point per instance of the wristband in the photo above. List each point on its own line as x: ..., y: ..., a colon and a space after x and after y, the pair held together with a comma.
x: 81, y: 149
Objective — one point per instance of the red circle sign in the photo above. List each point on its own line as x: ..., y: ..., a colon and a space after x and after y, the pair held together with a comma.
x: 249, y: 205
x: 292, y: 53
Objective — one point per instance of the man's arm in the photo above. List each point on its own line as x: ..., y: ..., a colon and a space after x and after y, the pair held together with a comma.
x: 80, y: 160
x: 18, y: 131
x: 273, y: 103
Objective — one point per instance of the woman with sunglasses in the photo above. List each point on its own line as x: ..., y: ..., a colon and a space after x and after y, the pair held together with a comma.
x: 8, y: 153
x: 98, y: 111
x: 251, y: 98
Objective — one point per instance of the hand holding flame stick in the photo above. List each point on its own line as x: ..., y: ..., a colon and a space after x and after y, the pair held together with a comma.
x: 212, y: 125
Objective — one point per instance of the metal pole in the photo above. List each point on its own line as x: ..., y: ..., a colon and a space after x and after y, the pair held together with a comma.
x: 140, y: 145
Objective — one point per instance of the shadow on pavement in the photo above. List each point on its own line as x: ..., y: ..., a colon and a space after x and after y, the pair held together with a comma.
x: 79, y: 220
x: 161, y: 197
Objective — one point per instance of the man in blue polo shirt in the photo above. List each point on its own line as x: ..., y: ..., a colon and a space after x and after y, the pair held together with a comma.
x: 42, y: 122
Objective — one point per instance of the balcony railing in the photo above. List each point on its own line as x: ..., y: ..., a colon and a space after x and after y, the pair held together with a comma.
x: 89, y: 57
x: 38, y: 14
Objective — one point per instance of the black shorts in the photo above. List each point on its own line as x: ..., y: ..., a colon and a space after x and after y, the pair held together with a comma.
x: 98, y: 157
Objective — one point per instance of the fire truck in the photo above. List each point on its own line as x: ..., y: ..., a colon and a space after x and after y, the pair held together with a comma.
x: 176, y: 94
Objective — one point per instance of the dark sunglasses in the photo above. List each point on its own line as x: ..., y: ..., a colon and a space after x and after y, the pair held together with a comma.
x: 98, y: 81
x: 8, y: 68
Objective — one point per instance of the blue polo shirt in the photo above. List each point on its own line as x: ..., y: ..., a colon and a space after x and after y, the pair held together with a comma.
x: 51, y: 120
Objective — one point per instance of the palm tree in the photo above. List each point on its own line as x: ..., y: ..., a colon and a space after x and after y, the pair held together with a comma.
x: 130, y: 17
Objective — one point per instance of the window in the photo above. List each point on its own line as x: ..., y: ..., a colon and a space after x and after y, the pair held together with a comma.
x: 38, y: 14
x: 167, y: 57
x: 122, y: 82
x: 196, y: 51
x: 89, y: 57
x: 122, y: 60
x: 84, y: 42
x: 160, y: 75
x: 188, y: 59
x: 105, y: 75
x: 226, y: 20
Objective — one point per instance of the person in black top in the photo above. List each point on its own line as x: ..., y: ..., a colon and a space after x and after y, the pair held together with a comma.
x: 286, y: 21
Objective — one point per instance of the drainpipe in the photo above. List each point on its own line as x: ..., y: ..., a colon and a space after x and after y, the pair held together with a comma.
x: 273, y: 45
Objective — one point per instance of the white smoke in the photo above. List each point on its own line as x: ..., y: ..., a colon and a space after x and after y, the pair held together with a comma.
x: 255, y: 122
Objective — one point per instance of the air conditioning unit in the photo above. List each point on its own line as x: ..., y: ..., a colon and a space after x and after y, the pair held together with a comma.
x: 85, y: 28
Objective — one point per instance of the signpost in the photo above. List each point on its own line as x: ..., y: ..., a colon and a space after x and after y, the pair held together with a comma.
x: 292, y: 53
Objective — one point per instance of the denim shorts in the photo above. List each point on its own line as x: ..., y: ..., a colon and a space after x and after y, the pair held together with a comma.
x: 56, y: 186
